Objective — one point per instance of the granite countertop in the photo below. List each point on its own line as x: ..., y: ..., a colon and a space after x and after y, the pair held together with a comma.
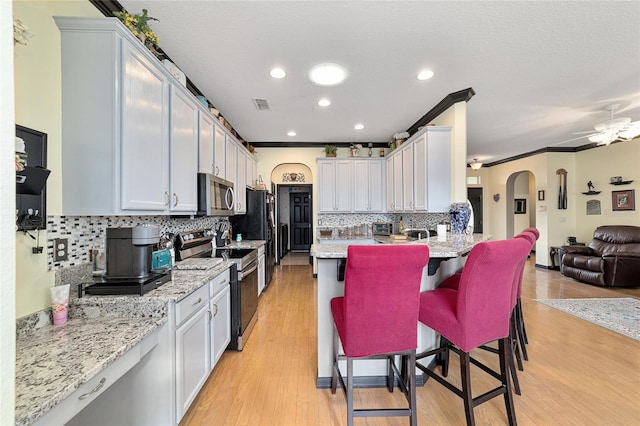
x: 245, y: 244
x: 452, y: 246
x: 53, y: 361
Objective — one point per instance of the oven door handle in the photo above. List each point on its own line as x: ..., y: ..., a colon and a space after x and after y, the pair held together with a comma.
x: 252, y: 267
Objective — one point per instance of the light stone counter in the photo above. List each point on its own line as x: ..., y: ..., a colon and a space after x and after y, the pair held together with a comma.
x: 452, y: 246
x: 53, y: 361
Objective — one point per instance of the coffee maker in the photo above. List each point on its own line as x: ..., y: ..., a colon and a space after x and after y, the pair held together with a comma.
x: 129, y: 263
x: 129, y: 251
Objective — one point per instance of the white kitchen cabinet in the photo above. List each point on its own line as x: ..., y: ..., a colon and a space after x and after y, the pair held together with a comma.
x: 397, y: 182
x: 192, y: 358
x: 251, y: 171
x: 407, y: 177
x: 241, y: 180
x: 389, y: 184
x: 205, y: 143
x: 183, y: 153
x: 220, y: 318
x: 231, y: 159
x: 220, y: 158
x: 432, y: 170
x: 335, y: 185
x: 115, y: 121
x: 368, y: 185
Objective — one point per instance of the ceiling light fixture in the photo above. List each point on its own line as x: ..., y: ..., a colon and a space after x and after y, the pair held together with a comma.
x: 328, y: 74
x: 291, y: 133
x: 425, y: 75
x: 615, y: 128
x: 359, y: 126
x: 475, y: 164
x: 277, y: 73
x: 324, y: 102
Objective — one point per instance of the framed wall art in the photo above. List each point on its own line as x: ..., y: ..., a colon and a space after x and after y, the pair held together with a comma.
x: 520, y: 206
x: 541, y: 195
x: 623, y: 200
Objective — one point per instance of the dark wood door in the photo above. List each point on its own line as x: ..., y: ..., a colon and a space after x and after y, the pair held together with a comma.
x: 475, y: 198
x: 300, y: 220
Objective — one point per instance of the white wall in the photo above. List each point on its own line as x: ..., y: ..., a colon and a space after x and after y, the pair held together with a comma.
x: 7, y: 219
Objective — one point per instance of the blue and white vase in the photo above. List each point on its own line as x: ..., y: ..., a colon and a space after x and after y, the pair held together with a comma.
x: 459, y: 214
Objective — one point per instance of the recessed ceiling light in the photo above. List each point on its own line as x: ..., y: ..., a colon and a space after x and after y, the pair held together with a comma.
x: 327, y: 74
x: 425, y: 75
x: 277, y: 73
x: 291, y: 133
x: 324, y: 102
x: 359, y: 126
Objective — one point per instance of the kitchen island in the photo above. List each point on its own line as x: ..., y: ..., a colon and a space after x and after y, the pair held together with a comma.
x: 447, y: 256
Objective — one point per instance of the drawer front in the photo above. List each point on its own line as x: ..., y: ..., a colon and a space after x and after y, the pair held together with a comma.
x: 190, y: 304
x: 219, y: 283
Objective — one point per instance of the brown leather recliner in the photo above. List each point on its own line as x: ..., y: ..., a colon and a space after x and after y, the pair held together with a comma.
x: 612, y: 258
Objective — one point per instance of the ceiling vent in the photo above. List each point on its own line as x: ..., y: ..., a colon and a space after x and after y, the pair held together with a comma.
x: 261, y: 104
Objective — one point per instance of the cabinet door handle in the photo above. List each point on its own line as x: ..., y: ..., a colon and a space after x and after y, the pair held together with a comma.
x: 175, y: 199
x: 216, y: 312
x: 197, y: 301
x: 167, y: 198
x: 94, y: 390
x: 210, y: 316
x: 217, y: 170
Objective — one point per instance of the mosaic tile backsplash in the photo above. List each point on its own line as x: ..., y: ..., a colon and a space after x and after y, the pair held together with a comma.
x: 84, y: 232
x: 411, y: 220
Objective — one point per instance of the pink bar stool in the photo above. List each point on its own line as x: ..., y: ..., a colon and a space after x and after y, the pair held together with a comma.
x: 477, y: 313
x: 377, y: 318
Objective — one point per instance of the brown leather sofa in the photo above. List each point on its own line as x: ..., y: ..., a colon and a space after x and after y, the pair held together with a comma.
x: 612, y: 258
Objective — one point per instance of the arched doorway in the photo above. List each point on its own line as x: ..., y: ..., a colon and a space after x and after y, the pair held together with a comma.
x: 293, y: 189
x: 521, y: 202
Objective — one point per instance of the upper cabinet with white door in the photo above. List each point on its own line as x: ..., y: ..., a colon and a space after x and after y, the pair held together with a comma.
x: 129, y: 129
x: 184, y: 151
x: 231, y: 159
x: 205, y: 143
x: 432, y: 170
x: 335, y: 183
x: 240, y: 186
x: 368, y: 185
x: 219, y: 157
x: 421, y: 172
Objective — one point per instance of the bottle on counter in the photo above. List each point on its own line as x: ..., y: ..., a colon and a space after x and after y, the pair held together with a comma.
x: 401, y: 226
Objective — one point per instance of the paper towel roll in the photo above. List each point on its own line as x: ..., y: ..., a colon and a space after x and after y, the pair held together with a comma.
x: 442, y: 230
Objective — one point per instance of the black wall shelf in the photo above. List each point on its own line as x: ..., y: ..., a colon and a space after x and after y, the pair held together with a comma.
x: 624, y: 182
x: 592, y: 192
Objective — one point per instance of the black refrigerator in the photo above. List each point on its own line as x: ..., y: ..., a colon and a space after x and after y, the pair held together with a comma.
x: 257, y: 224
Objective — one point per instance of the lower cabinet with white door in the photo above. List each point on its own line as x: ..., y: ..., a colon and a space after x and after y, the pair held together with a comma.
x: 220, y: 318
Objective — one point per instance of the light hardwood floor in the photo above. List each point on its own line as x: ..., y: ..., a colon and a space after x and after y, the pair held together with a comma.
x: 578, y: 373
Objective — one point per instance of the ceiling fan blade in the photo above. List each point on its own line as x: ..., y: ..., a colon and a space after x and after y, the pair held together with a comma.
x: 631, y: 131
x: 573, y: 139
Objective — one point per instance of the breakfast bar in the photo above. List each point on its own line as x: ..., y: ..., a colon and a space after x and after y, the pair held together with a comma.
x: 447, y: 256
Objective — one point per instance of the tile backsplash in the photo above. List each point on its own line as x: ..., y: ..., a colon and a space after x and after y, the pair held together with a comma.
x: 82, y: 232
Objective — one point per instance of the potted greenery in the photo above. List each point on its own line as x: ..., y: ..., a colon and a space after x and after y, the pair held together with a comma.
x: 138, y: 24
x: 330, y: 150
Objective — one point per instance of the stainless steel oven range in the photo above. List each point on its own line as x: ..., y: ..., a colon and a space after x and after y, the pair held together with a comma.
x: 244, y: 283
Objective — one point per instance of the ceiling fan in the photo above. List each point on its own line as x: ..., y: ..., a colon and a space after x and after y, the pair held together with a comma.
x: 614, y: 128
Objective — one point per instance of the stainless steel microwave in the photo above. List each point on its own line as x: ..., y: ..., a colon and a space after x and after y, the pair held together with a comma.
x: 215, y: 196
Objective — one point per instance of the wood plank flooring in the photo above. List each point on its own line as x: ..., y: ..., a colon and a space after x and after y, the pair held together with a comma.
x: 578, y: 373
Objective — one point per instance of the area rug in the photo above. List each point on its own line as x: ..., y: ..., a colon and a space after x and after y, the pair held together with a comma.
x: 621, y: 315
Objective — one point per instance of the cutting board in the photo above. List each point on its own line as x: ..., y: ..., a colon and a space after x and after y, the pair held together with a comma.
x: 398, y: 237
